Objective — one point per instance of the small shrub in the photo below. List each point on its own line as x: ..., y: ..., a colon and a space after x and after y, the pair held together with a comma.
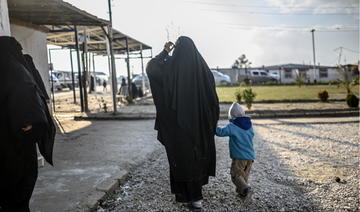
x: 224, y: 84
x: 323, y: 95
x: 299, y: 82
x: 238, y: 96
x: 249, y: 97
x: 129, y: 100
x: 271, y: 82
x: 355, y: 81
x: 352, y: 100
x: 235, y: 84
x: 248, y: 82
x: 242, y: 84
x: 334, y: 82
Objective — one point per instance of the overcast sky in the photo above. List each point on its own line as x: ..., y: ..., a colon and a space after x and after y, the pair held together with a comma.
x: 268, y: 31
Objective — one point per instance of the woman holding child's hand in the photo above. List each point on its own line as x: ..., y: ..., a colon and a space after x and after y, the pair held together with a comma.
x: 187, y: 111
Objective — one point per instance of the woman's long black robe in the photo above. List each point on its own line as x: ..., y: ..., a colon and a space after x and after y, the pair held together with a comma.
x: 21, y: 104
x: 187, y: 110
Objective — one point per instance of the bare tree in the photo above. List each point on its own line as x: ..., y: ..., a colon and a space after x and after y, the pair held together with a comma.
x: 345, y: 73
x: 241, y: 62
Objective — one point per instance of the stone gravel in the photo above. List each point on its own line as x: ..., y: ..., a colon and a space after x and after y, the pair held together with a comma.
x: 299, y: 167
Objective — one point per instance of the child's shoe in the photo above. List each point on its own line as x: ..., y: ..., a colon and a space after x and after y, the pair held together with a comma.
x: 197, y: 205
x: 246, y: 196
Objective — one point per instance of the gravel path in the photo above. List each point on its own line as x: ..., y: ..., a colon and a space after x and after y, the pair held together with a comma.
x: 295, y: 170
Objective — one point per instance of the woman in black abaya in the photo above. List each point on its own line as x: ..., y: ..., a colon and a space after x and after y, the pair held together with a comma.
x: 24, y: 121
x: 187, y: 109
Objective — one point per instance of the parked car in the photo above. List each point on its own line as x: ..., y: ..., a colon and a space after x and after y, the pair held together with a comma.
x: 257, y: 76
x: 275, y: 75
x: 55, y: 83
x: 220, y: 78
x: 101, y: 77
x: 65, y: 79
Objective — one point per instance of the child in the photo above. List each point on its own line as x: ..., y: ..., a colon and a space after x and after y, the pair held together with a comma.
x: 242, y: 152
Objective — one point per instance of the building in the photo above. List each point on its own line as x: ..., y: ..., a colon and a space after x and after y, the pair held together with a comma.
x: 288, y: 73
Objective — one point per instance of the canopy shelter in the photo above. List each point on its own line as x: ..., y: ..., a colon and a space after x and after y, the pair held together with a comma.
x: 51, y: 12
x: 96, y: 39
x: 60, y: 20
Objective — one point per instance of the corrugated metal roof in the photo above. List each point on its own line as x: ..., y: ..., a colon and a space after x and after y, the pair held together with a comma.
x: 58, y: 18
x: 51, y: 12
x: 64, y: 36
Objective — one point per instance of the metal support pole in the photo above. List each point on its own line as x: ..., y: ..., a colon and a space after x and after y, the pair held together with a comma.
x: 52, y: 81
x: 79, y: 69
x: 93, y: 63
x: 72, y: 77
x: 88, y: 61
x: 142, y: 69
x: 313, y: 42
x: 85, y: 71
x: 128, y: 66
x: 113, y: 71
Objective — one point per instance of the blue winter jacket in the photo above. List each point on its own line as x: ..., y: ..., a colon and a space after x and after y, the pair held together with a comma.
x: 241, y: 136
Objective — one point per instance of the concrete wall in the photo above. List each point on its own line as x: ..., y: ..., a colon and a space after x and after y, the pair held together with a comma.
x: 34, y: 43
x: 4, y: 19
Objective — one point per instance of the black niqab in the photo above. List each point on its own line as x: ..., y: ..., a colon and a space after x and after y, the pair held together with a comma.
x: 187, y: 108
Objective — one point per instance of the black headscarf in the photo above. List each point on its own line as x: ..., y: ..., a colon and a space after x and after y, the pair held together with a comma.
x: 187, y: 110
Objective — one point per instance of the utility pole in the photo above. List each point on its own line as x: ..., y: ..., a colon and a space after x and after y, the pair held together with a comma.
x: 340, y: 53
x: 313, y: 42
x: 112, y: 58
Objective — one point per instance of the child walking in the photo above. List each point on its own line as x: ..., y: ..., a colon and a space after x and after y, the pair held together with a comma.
x: 242, y: 153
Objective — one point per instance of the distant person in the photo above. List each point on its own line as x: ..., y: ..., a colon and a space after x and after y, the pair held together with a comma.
x: 92, y: 83
x: 104, y: 86
x: 187, y: 110
x: 123, y: 88
x: 140, y: 92
x: 134, y: 91
x: 242, y: 152
x: 24, y: 121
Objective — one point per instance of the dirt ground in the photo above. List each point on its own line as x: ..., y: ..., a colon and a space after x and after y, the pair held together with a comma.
x: 296, y: 169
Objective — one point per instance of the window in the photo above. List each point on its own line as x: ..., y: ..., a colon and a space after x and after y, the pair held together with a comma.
x: 288, y: 73
x: 323, y: 73
x: 255, y: 73
x: 263, y: 73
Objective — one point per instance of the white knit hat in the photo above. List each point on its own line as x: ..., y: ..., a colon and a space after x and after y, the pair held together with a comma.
x: 236, y: 110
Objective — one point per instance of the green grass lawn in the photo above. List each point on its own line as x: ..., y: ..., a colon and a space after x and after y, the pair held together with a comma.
x: 286, y: 92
